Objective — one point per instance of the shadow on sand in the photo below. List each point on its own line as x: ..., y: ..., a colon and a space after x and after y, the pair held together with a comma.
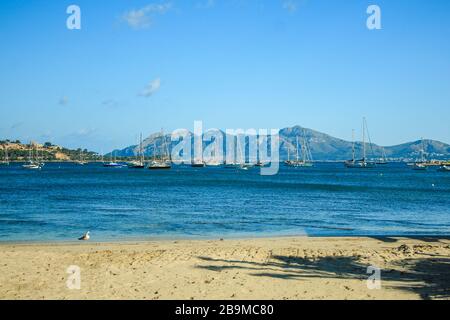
x: 428, y: 277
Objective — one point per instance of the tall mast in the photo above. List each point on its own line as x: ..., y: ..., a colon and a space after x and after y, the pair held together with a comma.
x: 296, y: 156
x: 304, y: 147
x: 140, y: 149
x: 353, y: 144
x: 166, y: 148
x: 422, y: 151
x: 364, y: 139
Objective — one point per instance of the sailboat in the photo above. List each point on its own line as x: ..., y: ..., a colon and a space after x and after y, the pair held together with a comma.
x: 242, y: 164
x: 306, y: 160
x: 383, y: 159
x: 198, y: 163
x: 214, y: 161
x: 33, y: 164
x: 139, y: 162
x: 81, y: 161
x: 360, y: 163
x: 420, y: 165
x: 163, y: 163
x: 233, y: 163
x: 5, y: 162
x: 112, y: 163
x: 288, y: 161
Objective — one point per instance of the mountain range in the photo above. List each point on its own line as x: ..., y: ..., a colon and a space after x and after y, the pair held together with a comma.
x: 322, y: 146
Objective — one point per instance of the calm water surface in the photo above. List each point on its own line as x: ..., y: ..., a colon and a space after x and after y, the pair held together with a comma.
x: 64, y: 200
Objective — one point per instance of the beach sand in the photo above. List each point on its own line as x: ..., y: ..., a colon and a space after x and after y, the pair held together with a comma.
x: 273, y: 268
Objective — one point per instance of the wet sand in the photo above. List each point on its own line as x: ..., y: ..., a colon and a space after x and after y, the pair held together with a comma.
x: 272, y: 268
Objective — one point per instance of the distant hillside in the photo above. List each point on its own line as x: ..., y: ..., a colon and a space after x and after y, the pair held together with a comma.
x: 323, y: 147
x: 18, y: 151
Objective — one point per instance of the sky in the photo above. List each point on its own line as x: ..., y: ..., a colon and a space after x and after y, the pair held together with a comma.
x: 139, y: 66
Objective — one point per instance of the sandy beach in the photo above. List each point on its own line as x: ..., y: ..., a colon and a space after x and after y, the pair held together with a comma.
x: 273, y: 268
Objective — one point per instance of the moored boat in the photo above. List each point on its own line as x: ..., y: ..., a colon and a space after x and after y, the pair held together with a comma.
x: 161, y: 158
x: 159, y: 165
x: 421, y: 164
x: 33, y: 162
x: 360, y: 163
x: 198, y: 164
x: 306, y: 160
x: 113, y: 163
x: 139, y: 163
x: 419, y: 167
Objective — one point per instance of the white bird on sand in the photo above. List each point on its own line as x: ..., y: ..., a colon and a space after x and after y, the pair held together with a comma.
x: 85, y: 237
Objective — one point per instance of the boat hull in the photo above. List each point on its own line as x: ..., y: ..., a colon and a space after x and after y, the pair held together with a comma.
x: 198, y: 165
x: 360, y: 165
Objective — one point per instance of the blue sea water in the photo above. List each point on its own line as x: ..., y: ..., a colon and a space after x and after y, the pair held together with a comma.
x: 62, y: 201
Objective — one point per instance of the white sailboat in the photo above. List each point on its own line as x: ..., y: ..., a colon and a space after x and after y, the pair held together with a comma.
x: 33, y: 163
x: 139, y: 163
x: 383, y: 159
x: 213, y: 161
x: 233, y: 164
x: 306, y: 160
x: 113, y: 162
x: 163, y: 162
x: 81, y: 161
x: 420, y: 165
x: 242, y: 164
x: 361, y: 163
x: 288, y: 161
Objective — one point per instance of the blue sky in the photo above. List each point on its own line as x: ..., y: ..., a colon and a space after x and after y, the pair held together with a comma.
x: 138, y: 66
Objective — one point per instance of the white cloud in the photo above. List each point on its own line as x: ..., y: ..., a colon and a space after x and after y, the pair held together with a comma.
x: 151, y: 88
x: 142, y: 18
x: 290, y: 5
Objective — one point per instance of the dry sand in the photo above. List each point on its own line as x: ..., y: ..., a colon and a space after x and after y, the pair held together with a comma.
x: 278, y: 268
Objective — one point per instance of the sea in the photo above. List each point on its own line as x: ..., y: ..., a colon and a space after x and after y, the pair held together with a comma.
x: 63, y: 200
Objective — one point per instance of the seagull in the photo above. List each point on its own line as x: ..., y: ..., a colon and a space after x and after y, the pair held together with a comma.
x: 85, y: 237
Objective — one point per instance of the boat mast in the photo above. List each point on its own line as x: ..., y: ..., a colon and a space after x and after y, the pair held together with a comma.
x: 364, y: 139
x: 166, y: 149
x: 296, y: 156
x: 422, y: 151
x: 353, y: 145
x: 241, y: 161
x: 304, y: 147
x: 140, y: 149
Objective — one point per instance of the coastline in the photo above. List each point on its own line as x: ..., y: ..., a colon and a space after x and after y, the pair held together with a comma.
x: 256, y: 268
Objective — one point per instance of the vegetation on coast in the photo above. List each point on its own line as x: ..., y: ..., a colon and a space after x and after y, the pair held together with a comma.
x: 18, y: 151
